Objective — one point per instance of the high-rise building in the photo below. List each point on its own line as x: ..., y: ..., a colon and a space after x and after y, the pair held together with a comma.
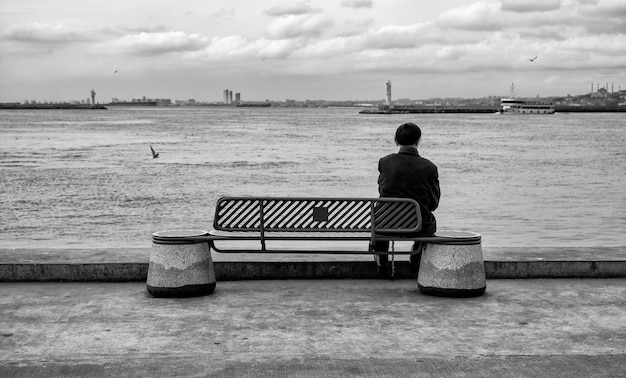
x: 226, y: 96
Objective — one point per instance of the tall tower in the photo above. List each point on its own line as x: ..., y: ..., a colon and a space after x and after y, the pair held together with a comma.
x: 93, y: 97
x: 225, y: 96
x: 389, y: 93
x: 230, y: 97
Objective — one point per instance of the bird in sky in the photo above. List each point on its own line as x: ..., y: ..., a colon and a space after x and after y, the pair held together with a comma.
x: 532, y: 59
x: 115, y: 70
x: 154, y: 154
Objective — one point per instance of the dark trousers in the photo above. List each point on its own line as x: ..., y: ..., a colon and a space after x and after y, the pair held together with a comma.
x: 382, y: 259
x: 415, y: 257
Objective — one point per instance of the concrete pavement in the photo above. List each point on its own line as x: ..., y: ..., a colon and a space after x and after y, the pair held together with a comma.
x: 323, y: 328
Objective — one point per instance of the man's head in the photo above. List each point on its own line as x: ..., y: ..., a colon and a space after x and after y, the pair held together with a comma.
x: 408, y: 134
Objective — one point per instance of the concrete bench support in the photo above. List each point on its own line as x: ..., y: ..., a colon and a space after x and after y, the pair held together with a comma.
x: 453, y: 270
x: 180, y: 268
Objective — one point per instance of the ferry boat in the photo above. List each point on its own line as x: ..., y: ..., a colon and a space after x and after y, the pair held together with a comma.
x: 514, y: 105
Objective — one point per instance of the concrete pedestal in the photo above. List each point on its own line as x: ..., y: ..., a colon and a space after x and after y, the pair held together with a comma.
x: 454, y: 267
x: 180, y: 268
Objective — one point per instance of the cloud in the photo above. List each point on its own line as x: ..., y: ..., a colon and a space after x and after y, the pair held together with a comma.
x: 556, y: 33
x: 355, y: 27
x: 602, y: 45
x: 158, y: 43
x: 605, y: 9
x: 301, y: 25
x: 46, y: 33
x: 288, y: 9
x: 392, y: 37
x: 224, y: 13
x: 357, y: 4
x: 234, y: 48
x: 223, y: 47
x: 478, y: 16
x: 483, y: 36
x: 333, y: 47
x: 528, y: 6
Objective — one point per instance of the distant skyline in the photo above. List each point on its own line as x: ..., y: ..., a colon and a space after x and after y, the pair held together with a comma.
x: 334, y: 50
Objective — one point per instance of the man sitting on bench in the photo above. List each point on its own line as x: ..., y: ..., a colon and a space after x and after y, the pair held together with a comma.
x: 408, y: 175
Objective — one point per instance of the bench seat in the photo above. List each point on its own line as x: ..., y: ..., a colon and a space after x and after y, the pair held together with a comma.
x: 443, y: 237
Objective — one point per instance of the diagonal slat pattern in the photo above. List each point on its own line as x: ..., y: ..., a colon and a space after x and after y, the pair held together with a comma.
x: 297, y: 214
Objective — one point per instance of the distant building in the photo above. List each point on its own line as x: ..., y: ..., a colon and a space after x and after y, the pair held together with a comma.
x: 601, y: 93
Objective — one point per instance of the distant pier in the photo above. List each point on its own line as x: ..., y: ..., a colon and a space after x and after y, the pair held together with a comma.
x: 589, y: 109
x: 407, y: 109
x: 50, y: 106
x: 403, y: 109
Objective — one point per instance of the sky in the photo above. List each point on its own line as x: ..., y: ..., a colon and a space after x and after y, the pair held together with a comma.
x: 308, y: 49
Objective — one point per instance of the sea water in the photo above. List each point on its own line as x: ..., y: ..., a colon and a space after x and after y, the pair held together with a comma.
x: 85, y: 179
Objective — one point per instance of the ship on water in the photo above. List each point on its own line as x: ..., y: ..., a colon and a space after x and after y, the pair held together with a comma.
x: 514, y: 105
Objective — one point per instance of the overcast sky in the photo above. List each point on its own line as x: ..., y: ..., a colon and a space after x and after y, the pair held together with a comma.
x: 308, y: 49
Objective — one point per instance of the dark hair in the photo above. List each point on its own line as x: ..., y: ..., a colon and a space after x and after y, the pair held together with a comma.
x: 408, y: 134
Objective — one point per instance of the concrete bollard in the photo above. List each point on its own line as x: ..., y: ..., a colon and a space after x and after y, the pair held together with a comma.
x: 178, y: 267
x: 454, y: 267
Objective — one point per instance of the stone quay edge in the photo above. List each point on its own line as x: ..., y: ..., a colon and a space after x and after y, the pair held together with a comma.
x: 131, y: 264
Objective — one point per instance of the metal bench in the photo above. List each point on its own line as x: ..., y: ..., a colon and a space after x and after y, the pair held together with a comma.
x: 452, y: 263
x: 241, y: 220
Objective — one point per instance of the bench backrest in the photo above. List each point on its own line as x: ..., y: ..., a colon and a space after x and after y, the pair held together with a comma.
x: 291, y: 214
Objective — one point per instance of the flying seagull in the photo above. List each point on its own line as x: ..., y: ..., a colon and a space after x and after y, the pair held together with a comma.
x: 154, y: 154
x: 532, y: 59
x: 115, y: 70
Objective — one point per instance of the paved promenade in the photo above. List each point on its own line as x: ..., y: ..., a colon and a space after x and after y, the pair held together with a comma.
x: 322, y: 328
x: 289, y: 316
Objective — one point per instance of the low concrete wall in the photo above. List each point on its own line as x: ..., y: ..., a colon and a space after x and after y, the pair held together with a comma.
x: 131, y: 264
x: 264, y: 270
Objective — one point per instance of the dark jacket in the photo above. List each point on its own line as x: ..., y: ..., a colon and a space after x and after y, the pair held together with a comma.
x: 407, y: 174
